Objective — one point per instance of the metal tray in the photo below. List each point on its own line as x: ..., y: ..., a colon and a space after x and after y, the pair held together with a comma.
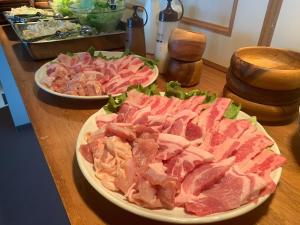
x: 11, y: 19
x: 46, y: 49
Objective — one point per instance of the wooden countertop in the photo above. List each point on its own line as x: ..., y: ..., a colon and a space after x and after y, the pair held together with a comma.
x: 57, y: 122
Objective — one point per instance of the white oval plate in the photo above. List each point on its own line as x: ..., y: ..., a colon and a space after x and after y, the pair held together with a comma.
x: 177, y: 215
x: 42, y: 72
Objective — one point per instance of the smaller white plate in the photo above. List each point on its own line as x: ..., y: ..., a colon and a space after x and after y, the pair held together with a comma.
x: 42, y: 72
x: 176, y: 215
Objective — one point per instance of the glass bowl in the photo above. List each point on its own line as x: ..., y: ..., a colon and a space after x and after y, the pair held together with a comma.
x: 103, y: 19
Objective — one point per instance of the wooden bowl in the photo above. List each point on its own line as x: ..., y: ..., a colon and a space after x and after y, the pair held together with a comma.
x: 186, y: 73
x: 186, y: 45
x: 259, y: 95
x: 267, y: 68
x: 265, y: 113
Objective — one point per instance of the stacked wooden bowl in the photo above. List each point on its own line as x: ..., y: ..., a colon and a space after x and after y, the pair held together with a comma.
x: 266, y: 82
x: 185, y: 51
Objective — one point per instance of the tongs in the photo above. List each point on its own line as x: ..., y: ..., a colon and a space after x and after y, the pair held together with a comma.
x: 25, y: 18
x: 84, y: 31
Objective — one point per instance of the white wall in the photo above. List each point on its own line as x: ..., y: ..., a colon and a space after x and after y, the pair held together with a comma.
x: 246, y: 31
x: 287, y: 30
x: 214, y: 11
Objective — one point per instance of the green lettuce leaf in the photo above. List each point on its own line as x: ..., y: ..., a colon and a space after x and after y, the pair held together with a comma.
x: 91, y: 50
x: 174, y: 89
x: 232, y: 111
x: 114, y: 103
x: 70, y: 53
x: 149, y: 62
x: 149, y: 90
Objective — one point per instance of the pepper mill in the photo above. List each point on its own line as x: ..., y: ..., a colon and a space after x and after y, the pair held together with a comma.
x: 185, y: 51
x: 135, y: 40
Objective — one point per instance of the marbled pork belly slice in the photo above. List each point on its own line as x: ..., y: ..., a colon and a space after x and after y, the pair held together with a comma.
x: 192, y: 103
x: 115, y: 82
x: 202, y: 178
x: 224, y: 137
x: 123, y: 86
x: 131, y: 114
x: 124, y: 62
x: 170, y: 145
x: 209, y: 117
x: 137, y: 99
x: 132, y: 68
x: 181, y: 119
x: 135, y: 65
x: 267, y: 160
x: 99, y: 64
x: 263, y: 164
x: 77, y: 62
x: 231, y: 192
x: 126, y: 112
x: 167, y: 106
x: 110, y: 162
x: 180, y: 165
x: 120, y: 85
x: 250, y: 146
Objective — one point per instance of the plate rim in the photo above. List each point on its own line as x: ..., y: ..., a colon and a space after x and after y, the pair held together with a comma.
x: 39, y: 75
x: 148, y: 213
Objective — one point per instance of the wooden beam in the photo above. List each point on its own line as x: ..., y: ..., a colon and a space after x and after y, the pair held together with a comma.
x: 270, y: 21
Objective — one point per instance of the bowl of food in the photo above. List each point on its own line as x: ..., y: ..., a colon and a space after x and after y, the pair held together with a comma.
x: 103, y: 16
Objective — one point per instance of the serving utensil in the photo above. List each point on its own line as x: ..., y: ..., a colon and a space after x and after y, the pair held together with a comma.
x: 83, y: 31
x: 26, y: 18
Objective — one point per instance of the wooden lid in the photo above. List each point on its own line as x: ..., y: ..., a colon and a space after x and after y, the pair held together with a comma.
x: 265, y: 113
x: 186, y: 45
x: 267, y: 68
x: 259, y: 95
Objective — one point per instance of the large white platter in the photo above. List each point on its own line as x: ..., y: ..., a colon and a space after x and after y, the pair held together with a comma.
x: 41, y: 73
x: 176, y: 215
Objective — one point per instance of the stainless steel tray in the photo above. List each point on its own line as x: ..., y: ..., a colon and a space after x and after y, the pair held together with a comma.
x: 46, y: 49
x: 11, y: 19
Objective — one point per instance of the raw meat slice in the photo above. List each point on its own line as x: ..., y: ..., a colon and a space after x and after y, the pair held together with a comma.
x: 144, y: 151
x: 202, y: 178
x: 86, y: 76
x: 156, y: 175
x: 108, y: 163
x: 253, y: 146
x: 210, y: 116
x: 180, y: 165
x: 122, y: 130
x: 146, y: 195
x: 193, y: 131
x: 101, y: 120
x: 232, y: 191
x: 170, y: 145
x: 126, y: 177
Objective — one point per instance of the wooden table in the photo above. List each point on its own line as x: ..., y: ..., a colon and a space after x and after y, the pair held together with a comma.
x: 57, y: 122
